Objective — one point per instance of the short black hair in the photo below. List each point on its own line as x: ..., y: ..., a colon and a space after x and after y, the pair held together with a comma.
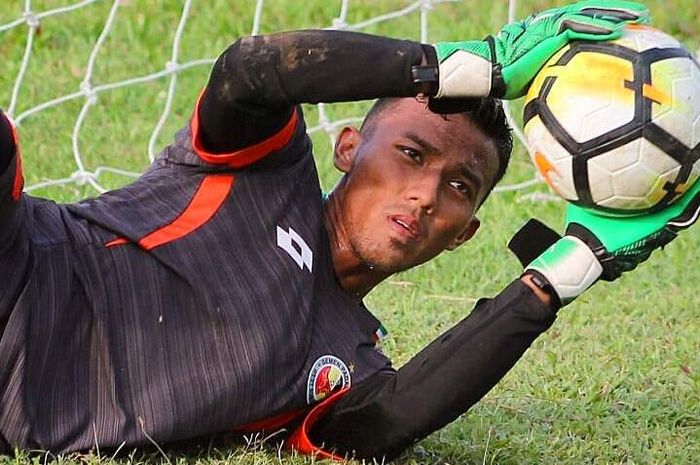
x: 486, y: 113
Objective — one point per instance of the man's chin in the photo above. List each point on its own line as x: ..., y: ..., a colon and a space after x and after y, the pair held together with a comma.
x: 387, y: 258
x: 389, y: 263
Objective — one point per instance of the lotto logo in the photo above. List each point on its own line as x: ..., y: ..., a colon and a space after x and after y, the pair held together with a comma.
x: 295, y: 246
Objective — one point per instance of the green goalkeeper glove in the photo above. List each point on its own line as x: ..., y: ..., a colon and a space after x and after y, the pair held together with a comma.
x: 604, y: 247
x: 504, y: 65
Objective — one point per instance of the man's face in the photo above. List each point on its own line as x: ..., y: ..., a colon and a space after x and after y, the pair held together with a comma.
x: 412, y: 185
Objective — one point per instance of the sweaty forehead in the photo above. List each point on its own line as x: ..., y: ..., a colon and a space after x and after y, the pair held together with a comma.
x: 454, y: 135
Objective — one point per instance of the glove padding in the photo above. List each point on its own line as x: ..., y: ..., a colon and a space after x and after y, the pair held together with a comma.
x: 503, y: 66
x: 600, y: 247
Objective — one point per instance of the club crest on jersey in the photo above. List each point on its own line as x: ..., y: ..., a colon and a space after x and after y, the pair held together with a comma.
x: 328, y: 374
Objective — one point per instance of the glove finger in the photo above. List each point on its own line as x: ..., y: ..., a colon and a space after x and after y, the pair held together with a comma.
x: 616, y: 15
x: 588, y: 27
x: 625, y: 10
x: 579, y: 27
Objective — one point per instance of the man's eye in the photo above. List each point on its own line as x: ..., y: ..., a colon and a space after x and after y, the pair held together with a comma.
x: 461, y: 187
x: 412, y: 154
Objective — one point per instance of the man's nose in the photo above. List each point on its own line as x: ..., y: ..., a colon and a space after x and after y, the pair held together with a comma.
x: 424, y: 193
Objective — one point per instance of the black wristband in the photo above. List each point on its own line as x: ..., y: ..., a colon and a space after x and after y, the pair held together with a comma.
x: 498, y: 85
x: 426, y: 76
x: 545, y: 286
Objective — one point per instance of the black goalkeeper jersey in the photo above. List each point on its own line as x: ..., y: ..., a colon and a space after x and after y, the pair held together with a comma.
x: 198, y: 299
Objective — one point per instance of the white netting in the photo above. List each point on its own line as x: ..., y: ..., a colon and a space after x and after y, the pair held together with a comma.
x: 89, y: 91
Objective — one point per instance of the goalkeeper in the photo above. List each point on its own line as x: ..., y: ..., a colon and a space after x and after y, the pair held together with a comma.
x: 222, y: 291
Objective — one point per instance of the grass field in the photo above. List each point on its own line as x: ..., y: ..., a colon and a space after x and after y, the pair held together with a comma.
x: 616, y: 380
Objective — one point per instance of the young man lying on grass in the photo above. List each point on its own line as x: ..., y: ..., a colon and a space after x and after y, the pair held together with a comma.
x: 222, y: 291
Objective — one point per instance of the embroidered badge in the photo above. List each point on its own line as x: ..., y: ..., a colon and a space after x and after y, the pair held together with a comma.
x: 328, y: 375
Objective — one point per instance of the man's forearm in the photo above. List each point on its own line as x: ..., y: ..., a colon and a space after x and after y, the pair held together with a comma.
x: 389, y: 412
x: 257, y: 80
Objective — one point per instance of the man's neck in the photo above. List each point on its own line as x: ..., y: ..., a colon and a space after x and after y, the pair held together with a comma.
x: 354, y: 274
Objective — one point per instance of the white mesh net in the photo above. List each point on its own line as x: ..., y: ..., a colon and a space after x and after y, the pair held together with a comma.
x: 88, y: 91
x: 32, y: 20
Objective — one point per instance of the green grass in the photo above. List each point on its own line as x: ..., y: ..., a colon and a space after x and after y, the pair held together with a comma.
x: 616, y: 380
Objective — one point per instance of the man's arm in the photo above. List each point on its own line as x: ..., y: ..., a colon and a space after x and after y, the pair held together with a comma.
x: 257, y: 81
x: 11, y: 182
x: 385, y: 414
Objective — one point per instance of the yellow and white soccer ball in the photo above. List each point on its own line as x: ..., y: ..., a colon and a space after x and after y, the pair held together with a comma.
x: 615, y: 126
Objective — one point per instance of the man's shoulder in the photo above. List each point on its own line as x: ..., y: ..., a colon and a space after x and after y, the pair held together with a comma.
x: 287, y: 146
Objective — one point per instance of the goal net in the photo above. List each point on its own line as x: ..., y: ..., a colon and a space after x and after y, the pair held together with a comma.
x: 97, y: 87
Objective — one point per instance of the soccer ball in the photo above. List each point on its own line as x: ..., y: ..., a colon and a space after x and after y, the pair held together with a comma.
x: 615, y: 126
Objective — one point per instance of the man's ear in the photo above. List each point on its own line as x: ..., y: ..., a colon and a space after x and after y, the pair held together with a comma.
x: 345, y: 149
x: 466, y: 234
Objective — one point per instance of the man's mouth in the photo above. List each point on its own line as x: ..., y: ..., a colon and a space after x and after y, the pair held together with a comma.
x: 407, y: 227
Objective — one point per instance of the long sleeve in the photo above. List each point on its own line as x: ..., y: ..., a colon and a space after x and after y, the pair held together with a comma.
x: 14, y: 249
x: 11, y: 183
x: 257, y: 81
x: 392, y: 410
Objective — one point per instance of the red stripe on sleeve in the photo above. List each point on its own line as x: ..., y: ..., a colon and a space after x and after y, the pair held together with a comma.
x: 18, y: 183
x: 300, y: 441
x: 210, y: 195
x: 248, y: 155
